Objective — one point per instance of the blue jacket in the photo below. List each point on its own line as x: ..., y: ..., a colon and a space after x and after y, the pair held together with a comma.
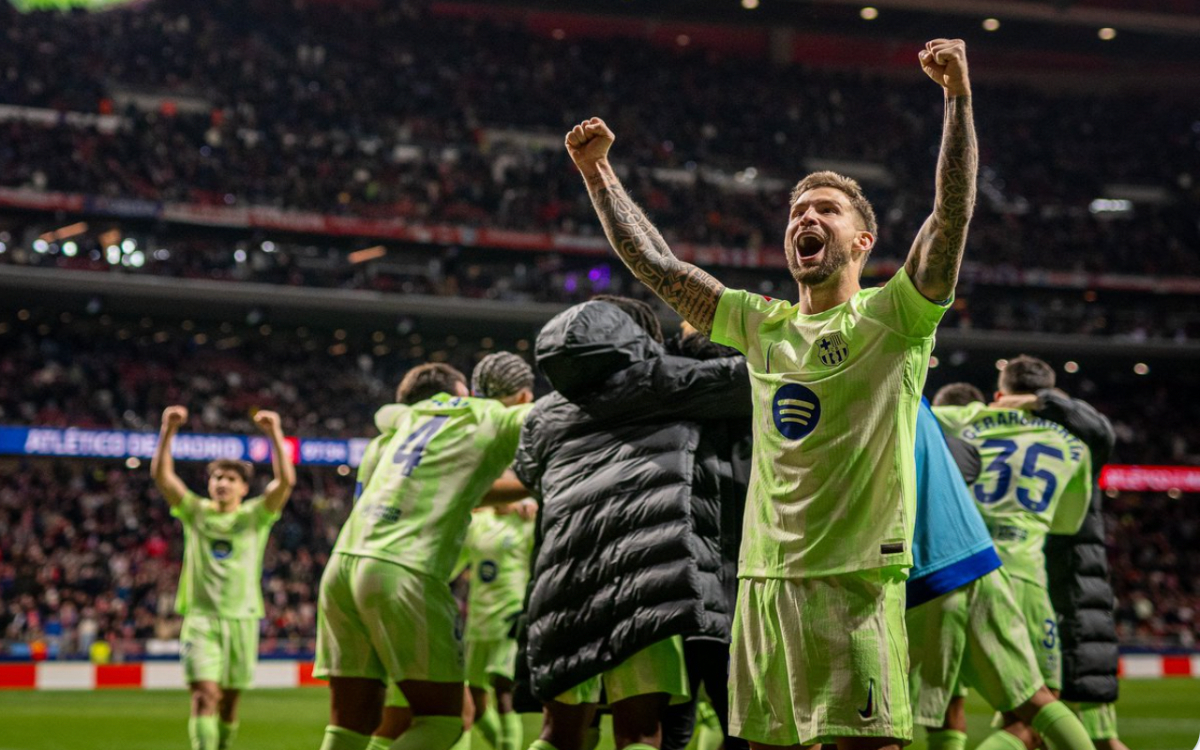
x: 951, y: 544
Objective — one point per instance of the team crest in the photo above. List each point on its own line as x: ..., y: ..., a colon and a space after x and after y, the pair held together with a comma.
x: 832, y: 349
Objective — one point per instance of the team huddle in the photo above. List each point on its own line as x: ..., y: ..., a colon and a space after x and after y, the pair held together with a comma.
x: 763, y: 511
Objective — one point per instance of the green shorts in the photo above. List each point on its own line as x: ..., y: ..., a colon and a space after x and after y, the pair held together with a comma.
x: 814, y: 659
x: 1042, y: 624
x: 1099, y: 719
x: 658, y: 668
x: 380, y: 620
x: 974, y: 635
x: 488, y: 659
x: 220, y: 650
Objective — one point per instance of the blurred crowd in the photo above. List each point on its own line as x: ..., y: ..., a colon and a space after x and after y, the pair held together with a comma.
x: 1154, y: 551
x: 984, y: 300
x: 403, y: 113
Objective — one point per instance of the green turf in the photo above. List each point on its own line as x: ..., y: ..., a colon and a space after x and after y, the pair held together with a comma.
x: 1154, y: 715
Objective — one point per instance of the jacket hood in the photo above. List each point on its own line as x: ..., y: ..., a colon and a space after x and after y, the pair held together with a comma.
x: 585, y: 345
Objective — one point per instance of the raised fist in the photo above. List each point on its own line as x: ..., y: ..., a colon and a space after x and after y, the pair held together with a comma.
x: 589, y: 141
x: 174, y: 416
x: 268, y: 422
x: 945, y: 61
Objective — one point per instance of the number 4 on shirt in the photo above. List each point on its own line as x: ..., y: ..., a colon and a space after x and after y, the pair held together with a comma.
x: 412, y: 449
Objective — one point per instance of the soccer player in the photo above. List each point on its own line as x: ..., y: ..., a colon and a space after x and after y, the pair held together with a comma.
x: 498, y: 547
x: 1078, y: 578
x: 964, y: 623
x: 220, y: 585
x: 1036, y: 480
x: 385, y: 612
x: 837, y: 379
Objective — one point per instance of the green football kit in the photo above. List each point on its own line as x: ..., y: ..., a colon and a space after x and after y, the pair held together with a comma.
x: 829, y: 515
x: 220, y: 588
x: 385, y: 610
x: 498, y: 548
x: 1036, y: 480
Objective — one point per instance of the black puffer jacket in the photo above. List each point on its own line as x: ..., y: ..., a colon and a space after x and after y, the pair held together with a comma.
x: 1078, y: 568
x: 724, y: 460
x: 623, y: 559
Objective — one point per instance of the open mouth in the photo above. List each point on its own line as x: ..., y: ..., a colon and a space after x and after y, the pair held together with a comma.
x: 809, y: 245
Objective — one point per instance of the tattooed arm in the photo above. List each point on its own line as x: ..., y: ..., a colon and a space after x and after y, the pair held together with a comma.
x: 691, y: 292
x: 937, y: 251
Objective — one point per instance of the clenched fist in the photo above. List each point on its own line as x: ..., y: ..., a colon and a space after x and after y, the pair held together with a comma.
x: 173, y: 417
x: 945, y: 61
x: 589, y: 141
x: 268, y: 422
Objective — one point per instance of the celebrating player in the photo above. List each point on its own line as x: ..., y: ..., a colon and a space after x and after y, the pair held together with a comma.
x: 964, y: 623
x: 838, y: 379
x: 220, y: 585
x: 1036, y: 480
x: 498, y: 546
x: 385, y: 613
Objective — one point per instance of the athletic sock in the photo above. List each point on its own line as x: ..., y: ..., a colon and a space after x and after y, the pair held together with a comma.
x: 379, y: 743
x: 1061, y: 728
x: 542, y: 745
x: 227, y: 731
x: 511, y: 733
x: 946, y: 739
x: 203, y: 732
x: 1002, y: 740
x: 431, y: 733
x: 488, y: 725
x: 339, y: 738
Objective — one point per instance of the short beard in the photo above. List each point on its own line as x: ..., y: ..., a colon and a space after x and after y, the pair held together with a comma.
x: 836, y: 258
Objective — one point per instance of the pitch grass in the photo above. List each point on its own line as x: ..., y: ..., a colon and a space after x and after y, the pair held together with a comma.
x: 1154, y: 715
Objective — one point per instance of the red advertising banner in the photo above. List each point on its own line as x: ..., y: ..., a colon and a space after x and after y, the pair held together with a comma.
x: 1134, y: 478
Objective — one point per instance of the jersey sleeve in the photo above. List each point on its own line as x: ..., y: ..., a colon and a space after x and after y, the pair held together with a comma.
x: 903, y: 309
x: 186, y: 509
x: 738, y: 319
x: 1076, y: 498
x: 264, y: 517
x: 508, y: 423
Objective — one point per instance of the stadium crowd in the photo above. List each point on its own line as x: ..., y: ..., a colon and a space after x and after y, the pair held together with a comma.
x: 456, y: 121
x: 984, y: 300
x: 98, y: 540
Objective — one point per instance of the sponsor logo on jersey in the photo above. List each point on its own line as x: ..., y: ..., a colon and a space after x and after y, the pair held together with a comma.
x: 832, y: 349
x: 796, y: 410
x: 222, y: 548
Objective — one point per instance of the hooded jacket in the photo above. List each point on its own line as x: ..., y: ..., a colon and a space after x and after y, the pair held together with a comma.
x: 627, y: 552
x: 1078, y: 568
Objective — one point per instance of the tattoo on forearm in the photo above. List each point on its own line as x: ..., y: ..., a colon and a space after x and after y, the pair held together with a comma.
x: 944, y: 235
x: 693, y: 293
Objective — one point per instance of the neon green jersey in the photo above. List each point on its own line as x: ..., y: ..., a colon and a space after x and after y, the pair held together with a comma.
x: 1036, y: 480
x: 498, y: 550
x: 435, y: 462
x: 222, y: 557
x: 832, y: 486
